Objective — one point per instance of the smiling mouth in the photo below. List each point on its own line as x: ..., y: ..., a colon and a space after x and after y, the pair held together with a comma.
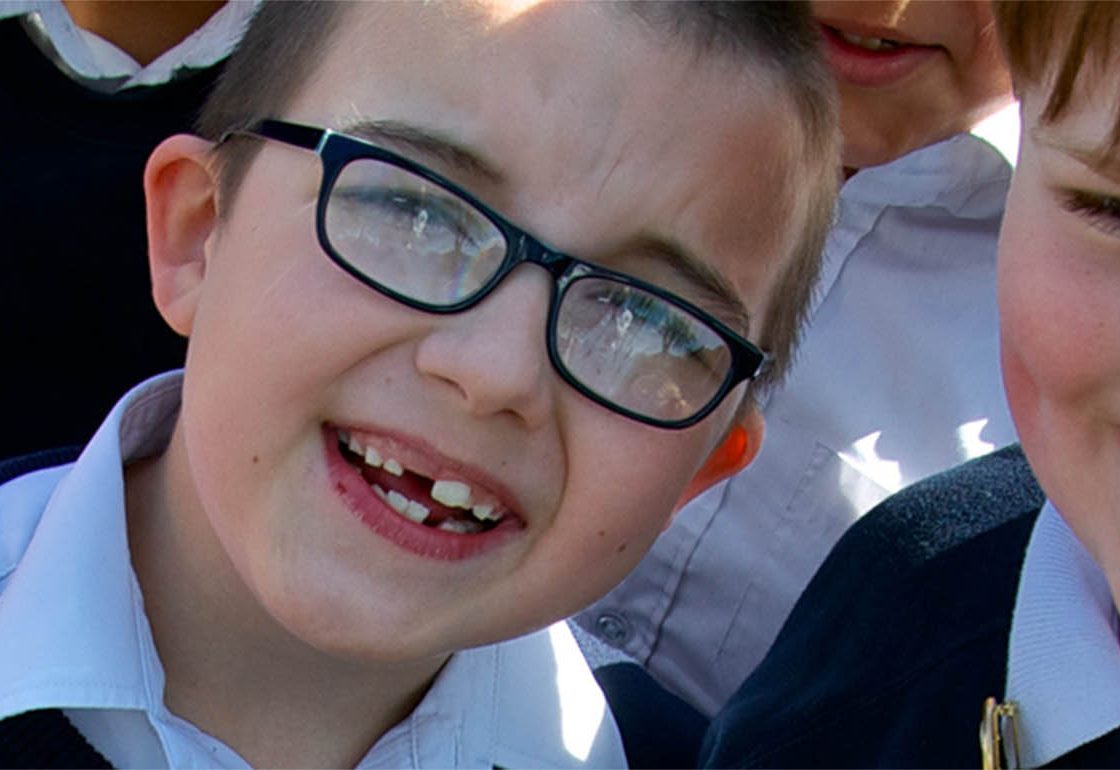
x: 450, y: 505
x: 876, y: 44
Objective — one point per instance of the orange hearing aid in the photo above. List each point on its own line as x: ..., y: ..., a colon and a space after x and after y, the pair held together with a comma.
x: 733, y: 454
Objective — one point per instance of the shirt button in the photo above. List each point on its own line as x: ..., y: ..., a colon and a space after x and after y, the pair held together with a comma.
x: 612, y: 628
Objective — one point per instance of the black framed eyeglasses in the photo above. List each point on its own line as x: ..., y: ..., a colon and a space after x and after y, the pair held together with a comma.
x: 422, y: 240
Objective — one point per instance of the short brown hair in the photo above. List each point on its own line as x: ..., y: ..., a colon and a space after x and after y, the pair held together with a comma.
x: 285, y: 41
x: 279, y: 52
x: 1056, y: 43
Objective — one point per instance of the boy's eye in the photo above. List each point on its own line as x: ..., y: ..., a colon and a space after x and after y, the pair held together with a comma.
x: 416, y: 212
x: 637, y: 349
x: 632, y: 310
x: 408, y: 234
x: 636, y: 314
x: 1101, y: 211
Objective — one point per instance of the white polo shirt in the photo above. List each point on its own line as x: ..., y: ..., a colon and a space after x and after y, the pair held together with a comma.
x: 76, y: 637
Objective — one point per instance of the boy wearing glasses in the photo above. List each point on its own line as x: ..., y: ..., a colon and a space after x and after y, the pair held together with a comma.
x: 475, y: 294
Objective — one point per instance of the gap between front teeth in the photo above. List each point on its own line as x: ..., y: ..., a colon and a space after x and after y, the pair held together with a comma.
x: 456, y: 494
x: 453, y: 494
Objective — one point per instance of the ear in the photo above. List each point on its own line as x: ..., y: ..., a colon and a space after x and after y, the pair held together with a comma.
x: 180, y: 190
x: 739, y: 447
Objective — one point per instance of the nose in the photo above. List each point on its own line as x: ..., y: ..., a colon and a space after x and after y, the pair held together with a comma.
x: 494, y: 357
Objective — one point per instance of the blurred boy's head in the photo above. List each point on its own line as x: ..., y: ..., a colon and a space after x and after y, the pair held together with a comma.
x: 910, y: 72
x: 1059, y: 263
x: 432, y: 448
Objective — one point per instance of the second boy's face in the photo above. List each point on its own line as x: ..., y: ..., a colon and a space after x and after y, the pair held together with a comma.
x: 1059, y: 293
x: 583, y: 126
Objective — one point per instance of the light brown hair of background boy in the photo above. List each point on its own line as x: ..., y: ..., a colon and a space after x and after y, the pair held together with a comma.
x: 598, y: 133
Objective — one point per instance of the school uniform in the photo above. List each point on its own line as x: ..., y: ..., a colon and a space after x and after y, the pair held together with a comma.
x: 897, y: 378
x: 77, y: 639
x: 953, y: 591
x: 97, y: 64
x: 80, y: 119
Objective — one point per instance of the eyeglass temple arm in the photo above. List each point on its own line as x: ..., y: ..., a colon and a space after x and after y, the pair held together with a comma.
x: 764, y: 365
x: 290, y: 133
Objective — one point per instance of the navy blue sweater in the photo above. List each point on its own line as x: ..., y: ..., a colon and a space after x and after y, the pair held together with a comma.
x: 77, y: 322
x: 888, y: 656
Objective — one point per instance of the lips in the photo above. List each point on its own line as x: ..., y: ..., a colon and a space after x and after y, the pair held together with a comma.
x: 870, y: 58
x: 423, y: 503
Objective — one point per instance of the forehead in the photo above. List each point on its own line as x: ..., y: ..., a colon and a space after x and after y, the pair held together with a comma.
x: 585, y: 114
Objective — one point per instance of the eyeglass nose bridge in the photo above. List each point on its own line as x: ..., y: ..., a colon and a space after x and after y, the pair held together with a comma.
x: 523, y: 248
x: 526, y: 248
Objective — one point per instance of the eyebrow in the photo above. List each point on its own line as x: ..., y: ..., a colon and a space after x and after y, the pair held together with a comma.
x: 717, y: 291
x: 1102, y: 159
x: 425, y: 142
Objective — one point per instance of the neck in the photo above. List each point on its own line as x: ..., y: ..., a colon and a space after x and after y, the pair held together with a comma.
x: 230, y: 668
x: 143, y: 29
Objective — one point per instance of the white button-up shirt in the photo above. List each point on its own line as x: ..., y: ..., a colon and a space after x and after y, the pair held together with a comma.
x: 897, y: 378
x: 75, y: 637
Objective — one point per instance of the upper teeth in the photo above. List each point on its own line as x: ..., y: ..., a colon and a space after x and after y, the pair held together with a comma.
x: 454, y: 494
x: 451, y: 493
x: 870, y: 43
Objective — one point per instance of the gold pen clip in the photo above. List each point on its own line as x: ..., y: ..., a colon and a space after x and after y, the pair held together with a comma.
x: 999, y: 736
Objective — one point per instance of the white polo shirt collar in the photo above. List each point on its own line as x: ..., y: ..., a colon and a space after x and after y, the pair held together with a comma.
x: 1063, y: 669
x: 98, y: 64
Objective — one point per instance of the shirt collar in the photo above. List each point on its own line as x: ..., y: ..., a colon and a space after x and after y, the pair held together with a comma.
x: 482, y: 711
x: 92, y: 650
x: 1063, y: 668
x: 101, y: 66
x: 965, y: 176
x: 967, y: 173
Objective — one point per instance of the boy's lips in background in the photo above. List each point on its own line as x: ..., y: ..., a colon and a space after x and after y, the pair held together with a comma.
x: 349, y: 477
x: 856, y: 59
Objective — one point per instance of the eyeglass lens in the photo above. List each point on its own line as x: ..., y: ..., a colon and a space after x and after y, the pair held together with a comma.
x: 631, y: 348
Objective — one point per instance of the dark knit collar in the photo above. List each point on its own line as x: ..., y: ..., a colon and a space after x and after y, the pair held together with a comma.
x: 46, y: 738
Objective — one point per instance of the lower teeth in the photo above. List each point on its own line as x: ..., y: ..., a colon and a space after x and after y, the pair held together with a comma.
x: 460, y: 527
x: 411, y: 510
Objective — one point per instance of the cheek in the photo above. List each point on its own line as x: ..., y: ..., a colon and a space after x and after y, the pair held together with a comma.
x: 1056, y: 315
x: 621, y: 494
x: 980, y: 72
x: 1029, y: 338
